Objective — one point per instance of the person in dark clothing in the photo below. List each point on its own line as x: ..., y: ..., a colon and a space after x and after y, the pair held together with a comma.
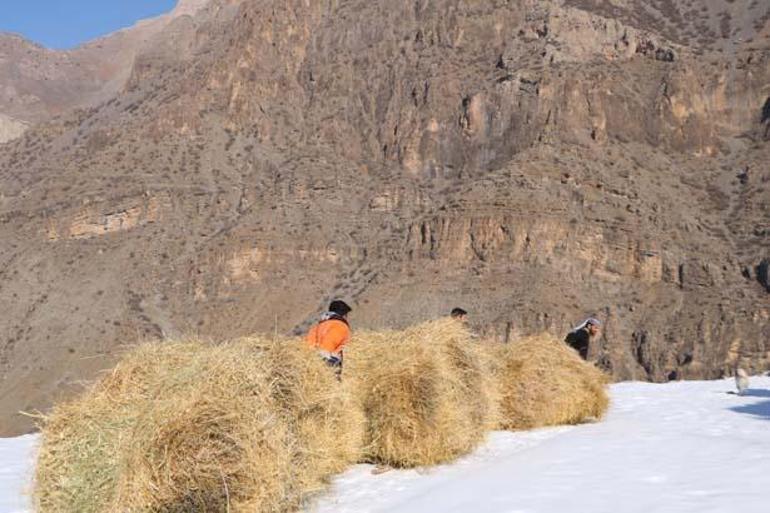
x: 459, y: 314
x: 580, y: 337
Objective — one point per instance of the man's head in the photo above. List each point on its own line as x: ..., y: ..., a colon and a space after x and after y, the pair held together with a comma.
x: 593, y: 326
x: 340, y: 308
x: 459, y: 314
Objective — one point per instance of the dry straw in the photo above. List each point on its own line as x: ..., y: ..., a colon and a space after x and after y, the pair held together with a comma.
x: 424, y: 391
x: 318, y: 409
x: 251, y: 426
x: 544, y: 382
x: 83, y: 441
x: 259, y: 426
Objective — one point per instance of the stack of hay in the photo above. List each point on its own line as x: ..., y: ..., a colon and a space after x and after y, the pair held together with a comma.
x: 425, y: 393
x: 247, y: 426
x: 544, y: 382
x: 258, y: 426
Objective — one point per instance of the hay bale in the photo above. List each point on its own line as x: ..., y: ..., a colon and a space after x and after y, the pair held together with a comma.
x: 258, y: 426
x: 190, y: 427
x: 320, y: 411
x: 83, y: 440
x: 209, y: 438
x: 544, y: 382
x: 471, y: 360
x: 423, y: 391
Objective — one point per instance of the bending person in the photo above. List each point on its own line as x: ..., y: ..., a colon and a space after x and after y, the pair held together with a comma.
x: 580, y: 337
x: 331, y: 334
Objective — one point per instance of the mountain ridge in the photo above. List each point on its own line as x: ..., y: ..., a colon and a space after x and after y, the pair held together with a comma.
x: 37, y: 83
x: 534, y: 162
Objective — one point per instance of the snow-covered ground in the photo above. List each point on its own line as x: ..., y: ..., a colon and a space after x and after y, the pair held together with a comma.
x: 16, y: 462
x: 676, y: 448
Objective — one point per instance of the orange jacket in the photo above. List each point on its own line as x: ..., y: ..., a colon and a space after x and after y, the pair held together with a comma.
x: 330, y: 335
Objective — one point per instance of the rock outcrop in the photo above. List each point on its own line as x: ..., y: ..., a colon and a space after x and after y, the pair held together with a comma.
x: 10, y: 128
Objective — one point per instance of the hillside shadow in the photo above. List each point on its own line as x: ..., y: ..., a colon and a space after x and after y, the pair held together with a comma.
x: 760, y: 409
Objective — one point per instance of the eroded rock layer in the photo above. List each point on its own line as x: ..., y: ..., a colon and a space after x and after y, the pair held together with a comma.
x: 532, y: 161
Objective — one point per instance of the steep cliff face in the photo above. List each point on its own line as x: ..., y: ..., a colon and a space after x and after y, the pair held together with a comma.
x: 532, y: 161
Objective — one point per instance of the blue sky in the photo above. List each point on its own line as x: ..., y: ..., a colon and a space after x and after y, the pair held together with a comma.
x: 67, y: 23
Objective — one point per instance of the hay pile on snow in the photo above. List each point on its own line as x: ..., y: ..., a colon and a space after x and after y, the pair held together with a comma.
x: 424, y: 392
x: 246, y: 426
x: 320, y: 411
x: 544, y: 382
x: 258, y: 426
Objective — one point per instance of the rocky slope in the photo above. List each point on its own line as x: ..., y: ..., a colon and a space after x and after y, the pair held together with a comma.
x: 37, y: 84
x: 533, y: 161
x: 10, y: 128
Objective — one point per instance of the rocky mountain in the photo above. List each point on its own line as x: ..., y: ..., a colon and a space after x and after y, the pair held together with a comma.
x: 532, y: 161
x: 37, y: 84
x: 10, y: 128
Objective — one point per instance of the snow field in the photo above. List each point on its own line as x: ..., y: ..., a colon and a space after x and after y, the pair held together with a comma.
x: 676, y: 448
x: 17, y: 457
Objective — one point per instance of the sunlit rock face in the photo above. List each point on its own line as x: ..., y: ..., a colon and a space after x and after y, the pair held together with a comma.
x: 534, y: 162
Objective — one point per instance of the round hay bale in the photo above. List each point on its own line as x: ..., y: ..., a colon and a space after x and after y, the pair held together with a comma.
x: 543, y: 382
x: 423, y: 391
x: 251, y: 426
x: 83, y: 441
x: 471, y: 360
x: 319, y: 410
x: 209, y: 438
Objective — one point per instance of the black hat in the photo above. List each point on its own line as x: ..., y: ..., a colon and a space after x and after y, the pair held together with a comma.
x: 340, y: 307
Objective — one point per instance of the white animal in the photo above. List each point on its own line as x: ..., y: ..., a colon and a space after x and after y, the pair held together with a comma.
x: 741, y: 380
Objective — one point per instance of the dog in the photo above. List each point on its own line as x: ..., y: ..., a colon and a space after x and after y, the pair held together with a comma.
x: 741, y: 380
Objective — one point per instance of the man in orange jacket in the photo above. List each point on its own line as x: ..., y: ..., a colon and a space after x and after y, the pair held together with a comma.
x: 331, y: 334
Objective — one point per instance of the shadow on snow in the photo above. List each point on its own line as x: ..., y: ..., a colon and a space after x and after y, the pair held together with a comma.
x: 760, y: 409
x: 752, y: 392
